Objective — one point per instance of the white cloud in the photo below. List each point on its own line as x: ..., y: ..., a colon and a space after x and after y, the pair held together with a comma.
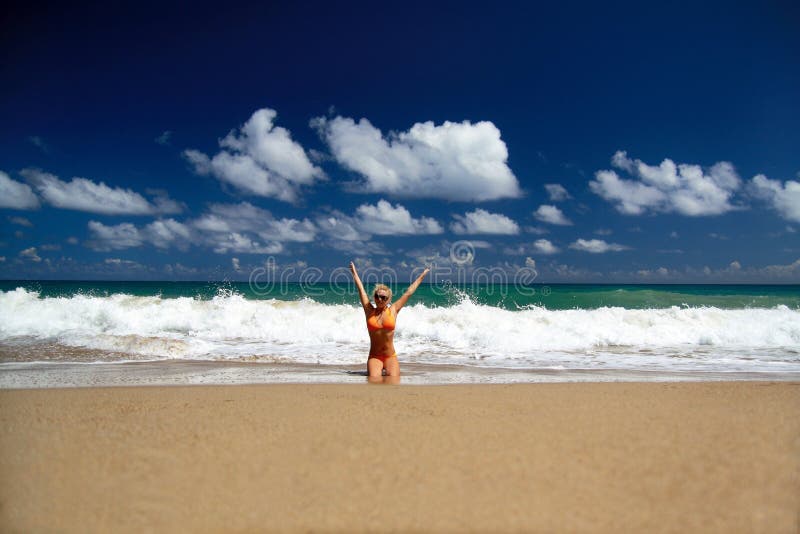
x: 683, y: 188
x: 341, y: 227
x: 538, y: 247
x: 453, y: 161
x: 30, y: 254
x: 39, y: 143
x: 552, y: 215
x: 163, y: 204
x: 16, y: 195
x: 21, y: 221
x: 166, y: 232
x: 734, y: 271
x: 247, y: 229
x: 482, y: 222
x: 780, y: 271
x: 164, y: 138
x: 538, y: 230
x: 661, y: 272
x: 569, y: 272
x: 596, y: 246
x: 245, y: 218
x: 235, y: 264
x: 357, y: 247
x: 544, y: 246
x: 84, y: 195
x: 784, y: 198
x: 385, y: 219
x: 557, y: 192
x: 121, y: 262
x: 260, y: 159
x: 631, y: 198
x: 237, y: 228
x: 179, y: 268
x: 243, y: 244
x: 161, y: 234
x: 2, y: 259
x: 120, y: 236
x: 380, y: 219
x: 458, y: 254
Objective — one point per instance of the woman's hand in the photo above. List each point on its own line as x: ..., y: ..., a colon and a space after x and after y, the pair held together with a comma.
x: 353, y: 268
x: 422, y: 276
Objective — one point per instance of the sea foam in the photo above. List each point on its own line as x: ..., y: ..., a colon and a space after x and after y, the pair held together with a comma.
x: 230, y: 327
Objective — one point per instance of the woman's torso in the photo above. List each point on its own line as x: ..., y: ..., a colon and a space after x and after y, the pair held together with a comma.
x: 380, y: 325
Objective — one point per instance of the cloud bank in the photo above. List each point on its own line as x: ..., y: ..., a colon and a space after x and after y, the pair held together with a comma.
x: 246, y: 229
x: 238, y: 228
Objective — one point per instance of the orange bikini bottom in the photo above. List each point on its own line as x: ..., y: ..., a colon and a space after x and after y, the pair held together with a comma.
x: 383, y: 357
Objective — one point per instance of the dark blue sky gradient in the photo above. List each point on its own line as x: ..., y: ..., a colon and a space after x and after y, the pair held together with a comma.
x: 567, y: 85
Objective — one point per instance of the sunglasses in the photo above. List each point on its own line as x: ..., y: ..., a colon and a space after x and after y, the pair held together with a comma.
x: 381, y: 297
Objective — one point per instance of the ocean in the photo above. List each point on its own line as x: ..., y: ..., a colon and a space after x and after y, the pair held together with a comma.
x: 68, y: 333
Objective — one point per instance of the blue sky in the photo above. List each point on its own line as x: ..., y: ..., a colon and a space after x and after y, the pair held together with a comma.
x: 591, y: 142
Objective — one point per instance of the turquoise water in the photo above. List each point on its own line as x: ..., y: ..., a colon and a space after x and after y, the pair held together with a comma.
x: 509, y: 297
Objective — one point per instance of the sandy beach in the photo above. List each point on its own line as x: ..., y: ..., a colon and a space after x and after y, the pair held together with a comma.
x: 712, y: 457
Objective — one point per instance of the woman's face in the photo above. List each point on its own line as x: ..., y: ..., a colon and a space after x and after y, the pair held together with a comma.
x: 381, y: 298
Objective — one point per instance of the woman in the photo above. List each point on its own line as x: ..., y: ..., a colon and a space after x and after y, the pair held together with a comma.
x: 380, y: 324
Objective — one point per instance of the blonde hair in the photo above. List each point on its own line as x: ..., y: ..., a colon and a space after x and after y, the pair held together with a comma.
x: 384, y: 287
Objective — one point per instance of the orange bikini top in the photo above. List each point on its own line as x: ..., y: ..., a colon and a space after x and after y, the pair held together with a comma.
x: 388, y: 321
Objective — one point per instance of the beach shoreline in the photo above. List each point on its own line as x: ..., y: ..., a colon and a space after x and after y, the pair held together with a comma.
x: 656, y: 456
x: 31, y: 375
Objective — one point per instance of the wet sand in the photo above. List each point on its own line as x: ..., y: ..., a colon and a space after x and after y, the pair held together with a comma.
x: 709, y: 456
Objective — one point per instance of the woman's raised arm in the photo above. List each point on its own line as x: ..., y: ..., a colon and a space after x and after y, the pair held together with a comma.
x: 399, y: 303
x: 361, y: 293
